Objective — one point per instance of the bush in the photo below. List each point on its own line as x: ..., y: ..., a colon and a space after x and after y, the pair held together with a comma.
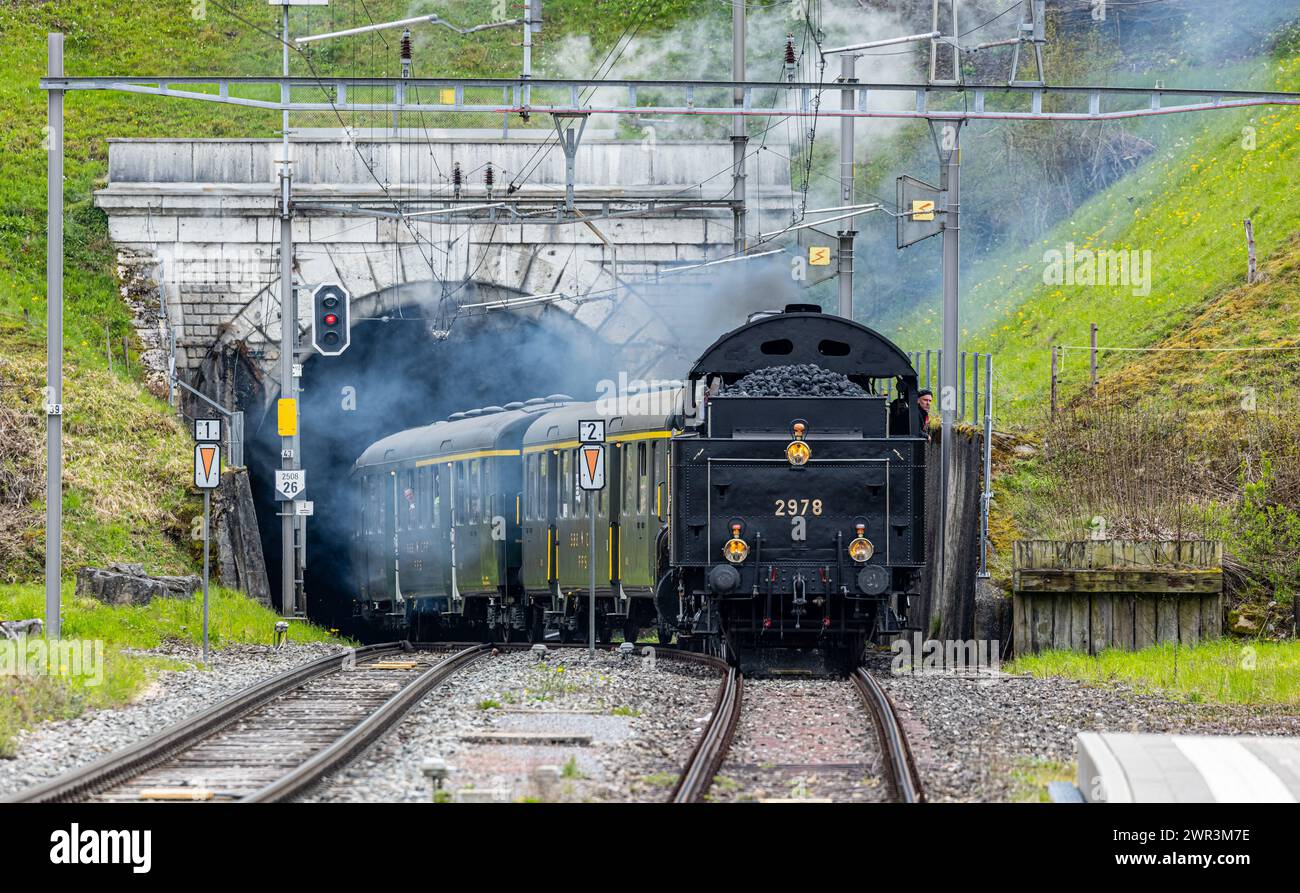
x: 1264, y: 535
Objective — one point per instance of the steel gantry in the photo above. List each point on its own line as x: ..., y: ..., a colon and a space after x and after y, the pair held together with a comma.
x: 949, y: 105
x: 558, y: 96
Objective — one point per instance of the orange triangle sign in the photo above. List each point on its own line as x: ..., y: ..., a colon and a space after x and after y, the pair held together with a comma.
x: 592, y: 456
x: 207, y: 453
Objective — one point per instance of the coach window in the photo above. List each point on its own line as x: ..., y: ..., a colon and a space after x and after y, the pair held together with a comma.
x: 408, y: 499
x: 474, y: 508
x: 460, y: 500
x: 528, y: 488
x: 563, y: 488
x: 543, y: 486
x: 365, y: 505
x: 642, y: 472
x: 539, y: 486
x: 434, y: 497
x: 579, y: 495
x: 539, y: 490
x: 628, y: 479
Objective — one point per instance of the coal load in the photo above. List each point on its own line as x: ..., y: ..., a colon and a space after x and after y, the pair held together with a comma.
x: 802, y: 380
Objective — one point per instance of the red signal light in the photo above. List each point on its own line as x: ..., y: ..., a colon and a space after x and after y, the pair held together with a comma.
x: 331, y: 319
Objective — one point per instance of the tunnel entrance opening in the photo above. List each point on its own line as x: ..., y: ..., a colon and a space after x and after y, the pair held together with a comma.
x: 396, y: 375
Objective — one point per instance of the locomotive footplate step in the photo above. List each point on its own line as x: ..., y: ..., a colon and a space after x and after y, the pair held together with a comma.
x: 779, y: 660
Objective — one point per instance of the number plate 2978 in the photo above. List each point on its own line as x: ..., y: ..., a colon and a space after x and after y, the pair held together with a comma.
x: 797, y: 507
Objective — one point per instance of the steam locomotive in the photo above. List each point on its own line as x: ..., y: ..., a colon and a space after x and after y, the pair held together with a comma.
x: 765, y: 526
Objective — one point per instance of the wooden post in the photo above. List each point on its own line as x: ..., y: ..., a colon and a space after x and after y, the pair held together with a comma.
x: 1053, y: 379
x: 108, y: 349
x: 1250, y: 252
x: 1092, y: 359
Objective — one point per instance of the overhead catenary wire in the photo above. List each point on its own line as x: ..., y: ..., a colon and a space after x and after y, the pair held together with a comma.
x: 329, y: 98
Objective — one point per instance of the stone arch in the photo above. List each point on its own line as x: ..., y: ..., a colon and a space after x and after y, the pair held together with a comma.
x: 622, y: 316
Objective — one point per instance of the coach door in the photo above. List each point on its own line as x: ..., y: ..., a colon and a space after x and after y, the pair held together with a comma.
x: 637, y: 510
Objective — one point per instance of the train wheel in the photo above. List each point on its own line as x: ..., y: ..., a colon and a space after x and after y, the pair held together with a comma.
x: 665, y: 635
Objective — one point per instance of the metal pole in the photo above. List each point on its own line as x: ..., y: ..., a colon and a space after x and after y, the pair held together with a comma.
x: 739, y: 133
x: 591, y: 561
x: 948, y: 354
x: 1053, y: 379
x: 288, y: 339
x: 848, y: 63
x: 526, y: 94
x: 961, y: 388
x: 207, y: 504
x: 1092, y: 358
x: 54, y: 348
x: 987, y: 496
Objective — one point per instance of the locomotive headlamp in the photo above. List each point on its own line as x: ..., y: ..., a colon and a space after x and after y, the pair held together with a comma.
x: 736, y: 550
x: 861, y: 549
x: 798, y: 452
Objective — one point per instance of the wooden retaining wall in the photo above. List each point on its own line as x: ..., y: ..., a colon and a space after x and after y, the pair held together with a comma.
x: 1095, y: 594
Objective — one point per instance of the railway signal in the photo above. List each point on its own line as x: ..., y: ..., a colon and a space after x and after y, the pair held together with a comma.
x: 330, y: 320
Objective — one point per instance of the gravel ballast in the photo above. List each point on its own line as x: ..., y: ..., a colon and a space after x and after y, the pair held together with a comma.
x: 53, y: 748
x: 802, y: 739
x: 511, y: 727
x: 1000, y: 737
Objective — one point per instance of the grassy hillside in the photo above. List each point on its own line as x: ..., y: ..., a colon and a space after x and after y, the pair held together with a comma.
x: 1185, y: 206
x: 1190, y: 371
x: 126, y: 493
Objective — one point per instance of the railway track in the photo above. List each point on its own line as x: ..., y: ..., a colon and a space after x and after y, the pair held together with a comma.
x: 897, y: 764
x: 272, y: 740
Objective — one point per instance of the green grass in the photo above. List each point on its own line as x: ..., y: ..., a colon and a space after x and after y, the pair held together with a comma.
x: 1225, y: 671
x: 1031, y: 776
x: 660, y: 779
x: 28, y: 699
x: 1185, y: 205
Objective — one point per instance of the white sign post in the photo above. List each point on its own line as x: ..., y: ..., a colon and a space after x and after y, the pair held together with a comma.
x: 591, y: 477
x: 207, y: 477
x: 290, y: 484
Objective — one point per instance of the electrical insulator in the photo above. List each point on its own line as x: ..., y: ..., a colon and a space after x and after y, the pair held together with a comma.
x: 406, y: 53
x: 789, y: 58
x: 457, y: 179
x: 489, y: 178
